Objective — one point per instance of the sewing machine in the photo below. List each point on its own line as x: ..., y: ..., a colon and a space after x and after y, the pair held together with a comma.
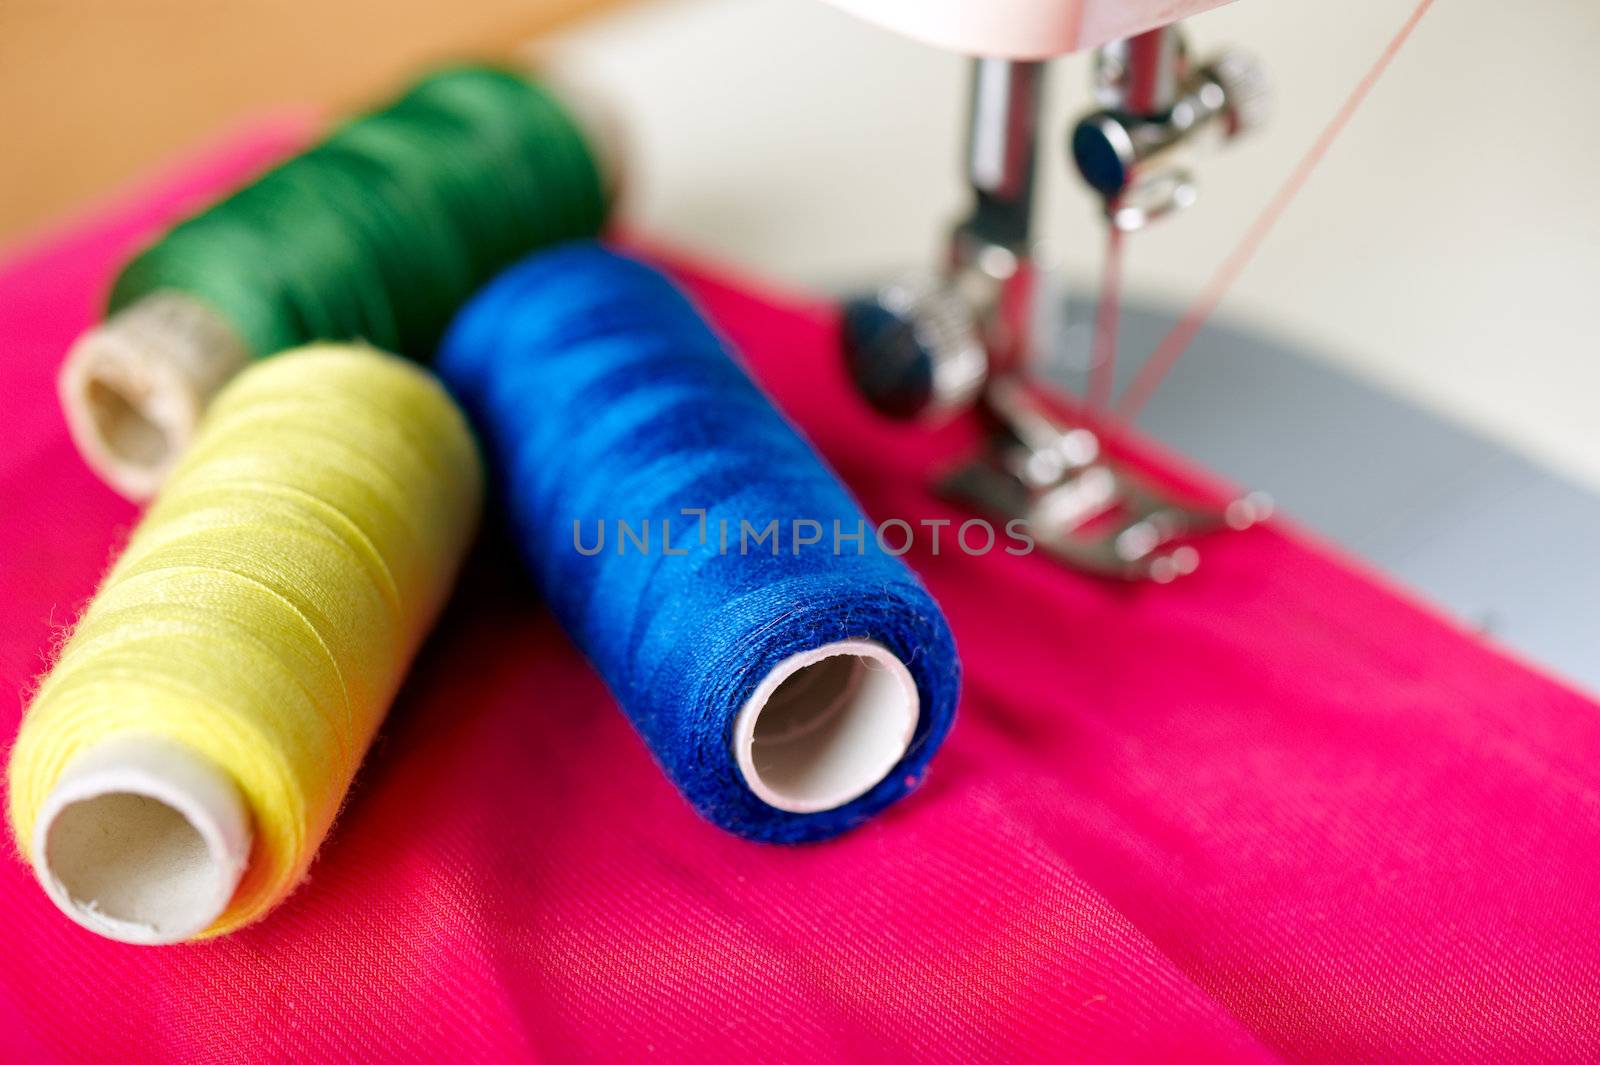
x: 931, y: 345
x: 1313, y: 381
x: 1439, y: 505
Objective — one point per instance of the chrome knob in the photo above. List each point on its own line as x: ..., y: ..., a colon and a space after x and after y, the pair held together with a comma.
x: 1126, y: 153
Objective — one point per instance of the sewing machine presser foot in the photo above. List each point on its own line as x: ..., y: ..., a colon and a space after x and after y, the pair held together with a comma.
x: 1082, y: 506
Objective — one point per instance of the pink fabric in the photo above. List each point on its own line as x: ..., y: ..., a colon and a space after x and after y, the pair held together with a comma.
x: 1273, y: 812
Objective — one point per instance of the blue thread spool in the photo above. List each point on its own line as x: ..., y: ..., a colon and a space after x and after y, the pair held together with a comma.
x: 788, y: 695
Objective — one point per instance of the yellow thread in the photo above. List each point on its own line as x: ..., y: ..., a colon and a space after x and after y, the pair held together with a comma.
x: 267, y: 606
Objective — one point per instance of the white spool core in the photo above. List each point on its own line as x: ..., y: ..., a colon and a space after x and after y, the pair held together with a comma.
x: 142, y: 840
x: 134, y: 387
x: 826, y: 725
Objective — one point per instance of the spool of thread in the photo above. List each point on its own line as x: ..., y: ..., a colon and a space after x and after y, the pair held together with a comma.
x: 186, y: 755
x: 379, y: 233
x: 789, y: 694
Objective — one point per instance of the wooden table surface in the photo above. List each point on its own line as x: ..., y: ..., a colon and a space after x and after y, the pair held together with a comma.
x: 93, y: 92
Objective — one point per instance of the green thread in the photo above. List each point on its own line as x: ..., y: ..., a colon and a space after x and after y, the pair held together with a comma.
x: 383, y: 230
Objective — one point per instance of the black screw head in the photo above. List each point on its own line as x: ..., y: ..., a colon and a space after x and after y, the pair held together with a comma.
x: 891, y: 366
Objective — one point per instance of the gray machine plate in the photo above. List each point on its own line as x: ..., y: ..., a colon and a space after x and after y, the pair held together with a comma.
x: 1493, y: 537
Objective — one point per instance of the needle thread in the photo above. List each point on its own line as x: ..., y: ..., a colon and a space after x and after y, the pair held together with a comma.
x: 1103, y: 356
x: 1177, y: 341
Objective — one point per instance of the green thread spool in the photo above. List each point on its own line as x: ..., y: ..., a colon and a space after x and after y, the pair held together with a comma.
x: 377, y: 234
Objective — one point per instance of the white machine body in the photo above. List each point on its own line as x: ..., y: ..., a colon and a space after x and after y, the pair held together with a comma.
x: 1022, y: 29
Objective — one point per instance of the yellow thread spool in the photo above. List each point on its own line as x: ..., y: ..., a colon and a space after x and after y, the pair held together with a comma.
x: 235, y: 663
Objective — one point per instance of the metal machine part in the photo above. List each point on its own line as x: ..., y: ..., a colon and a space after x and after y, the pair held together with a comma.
x: 923, y: 346
x: 1079, y: 505
x: 1154, y: 102
x: 935, y: 345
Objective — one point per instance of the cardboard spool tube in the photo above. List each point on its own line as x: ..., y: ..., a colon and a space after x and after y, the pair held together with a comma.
x: 135, y: 386
x: 142, y: 840
x: 825, y: 726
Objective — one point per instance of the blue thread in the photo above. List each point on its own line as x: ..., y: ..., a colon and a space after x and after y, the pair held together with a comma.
x: 602, y: 395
